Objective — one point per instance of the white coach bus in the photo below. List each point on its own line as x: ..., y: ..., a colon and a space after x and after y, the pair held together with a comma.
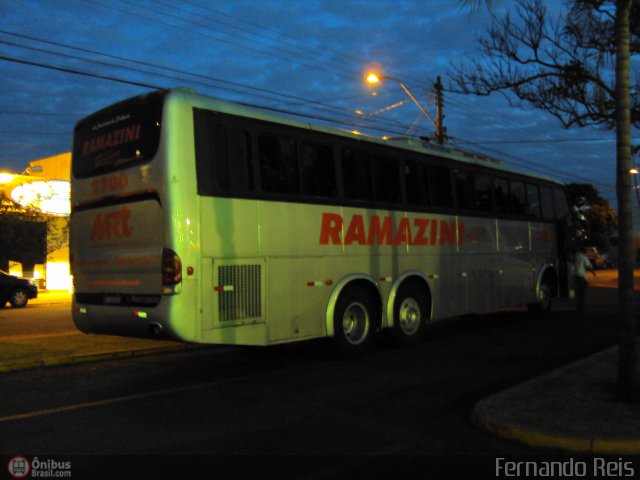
x: 201, y: 220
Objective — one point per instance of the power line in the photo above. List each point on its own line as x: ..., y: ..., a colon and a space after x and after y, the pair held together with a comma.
x: 269, y: 93
x: 49, y: 114
x: 203, y: 33
x: 539, y: 168
x: 556, y: 140
x: 78, y: 72
x: 537, y: 132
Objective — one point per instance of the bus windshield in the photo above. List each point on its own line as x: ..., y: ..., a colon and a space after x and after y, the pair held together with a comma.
x: 117, y: 137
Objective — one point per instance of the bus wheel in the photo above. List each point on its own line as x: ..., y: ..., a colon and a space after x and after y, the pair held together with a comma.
x: 544, y: 298
x: 354, y: 320
x: 410, y: 313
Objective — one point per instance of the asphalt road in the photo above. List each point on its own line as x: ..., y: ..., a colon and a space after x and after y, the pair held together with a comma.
x: 294, y: 400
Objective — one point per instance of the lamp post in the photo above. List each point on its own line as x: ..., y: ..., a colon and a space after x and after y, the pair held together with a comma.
x: 374, y: 78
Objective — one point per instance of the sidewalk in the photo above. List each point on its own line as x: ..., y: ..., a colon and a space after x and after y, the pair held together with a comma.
x: 70, y: 346
x: 570, y: 409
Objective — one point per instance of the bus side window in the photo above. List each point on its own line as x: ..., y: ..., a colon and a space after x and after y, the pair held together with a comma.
x: 501, y: 191
x: 561, y: 206
x: 416, y: 183
x: 464, y: 190
x: 546, y: 201
x: 356, y: 174
x: 533, y: 201
x: 278, y: 164
x: 234, y: 168
x: 441, y: 188
x: 206, y: 140
x: 518, y: 198
x: 220, y: 158
x: 484, y: 196
x: 386, y: 180
x: 318, y: 170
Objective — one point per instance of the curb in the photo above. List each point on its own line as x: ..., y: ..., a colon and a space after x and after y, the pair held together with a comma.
x: 539, y: 439
x: 78, y: 359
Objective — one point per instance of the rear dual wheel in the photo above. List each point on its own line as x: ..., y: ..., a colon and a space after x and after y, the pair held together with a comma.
x: 411, y: 311
x: 355, y: 320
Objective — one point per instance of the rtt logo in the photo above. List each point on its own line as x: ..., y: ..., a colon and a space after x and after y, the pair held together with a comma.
x: 112, y: 225
x: 19, y: 467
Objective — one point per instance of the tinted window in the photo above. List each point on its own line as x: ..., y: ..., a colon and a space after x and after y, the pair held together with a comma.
x: 386, y: 178
x: 533, y: 201
x: 318, y: 170
x: 518, y: 198
x: 464, y: 190
x: 223, y: 156
x: 501, y: 192
x: 546, y: 202
x: 356, y: 174
x: 561, y: 207
x: 441, y: 191
x: 117, y: 137
x: 278, y: 164
x: 416, y: 182
x: 484, y: 197
x: 234, y: 172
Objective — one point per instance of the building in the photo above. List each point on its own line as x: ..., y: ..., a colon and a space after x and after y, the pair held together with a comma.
x: 44, y: 187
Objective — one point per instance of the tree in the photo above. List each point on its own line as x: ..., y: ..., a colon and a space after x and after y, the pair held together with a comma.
x: 578, y: 69
x: 22, y: 235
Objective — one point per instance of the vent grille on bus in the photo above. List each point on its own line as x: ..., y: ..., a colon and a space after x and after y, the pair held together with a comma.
x: 241, y: 298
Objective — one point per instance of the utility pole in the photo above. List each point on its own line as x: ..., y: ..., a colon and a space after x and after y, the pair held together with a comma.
x: 439, y: 115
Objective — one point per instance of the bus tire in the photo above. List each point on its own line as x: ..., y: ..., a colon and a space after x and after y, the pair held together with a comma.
x: 544, y: 297
x: 411, y: 311
x: 355, y: 320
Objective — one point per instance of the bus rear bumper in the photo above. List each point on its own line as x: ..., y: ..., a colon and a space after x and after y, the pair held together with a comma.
x: 123, y: 321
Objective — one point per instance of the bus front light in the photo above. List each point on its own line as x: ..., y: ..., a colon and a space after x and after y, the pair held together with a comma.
x: 171, y: 271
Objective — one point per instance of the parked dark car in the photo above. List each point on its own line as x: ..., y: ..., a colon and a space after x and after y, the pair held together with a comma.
x: 15, y: 290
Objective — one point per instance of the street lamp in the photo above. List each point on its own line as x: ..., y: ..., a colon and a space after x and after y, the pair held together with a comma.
x: 373, y: 78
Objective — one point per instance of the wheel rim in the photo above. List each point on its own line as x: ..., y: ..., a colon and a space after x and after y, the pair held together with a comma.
x: 409, y: 316
x: 19, y: 298
x: 355, y: 323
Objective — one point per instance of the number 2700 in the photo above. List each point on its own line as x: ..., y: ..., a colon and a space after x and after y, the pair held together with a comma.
x: 109, y: 184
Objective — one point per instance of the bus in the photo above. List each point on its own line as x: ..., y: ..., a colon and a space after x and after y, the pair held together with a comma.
x: 201, y: 220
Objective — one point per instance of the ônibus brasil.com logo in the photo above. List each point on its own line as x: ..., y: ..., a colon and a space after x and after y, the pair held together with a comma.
x: 21, y: 467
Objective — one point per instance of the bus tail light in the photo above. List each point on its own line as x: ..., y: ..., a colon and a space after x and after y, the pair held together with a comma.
x: 171, y: 271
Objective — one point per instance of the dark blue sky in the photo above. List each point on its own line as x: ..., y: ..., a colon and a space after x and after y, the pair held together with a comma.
x: 305, y: 57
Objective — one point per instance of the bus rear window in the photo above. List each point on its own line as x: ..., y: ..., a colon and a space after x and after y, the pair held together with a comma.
x: 118, y: 137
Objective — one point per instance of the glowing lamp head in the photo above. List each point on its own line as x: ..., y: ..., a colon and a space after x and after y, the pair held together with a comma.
x: 373, y: 78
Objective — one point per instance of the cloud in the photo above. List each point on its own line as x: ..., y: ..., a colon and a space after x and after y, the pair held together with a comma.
x: 303, y: 56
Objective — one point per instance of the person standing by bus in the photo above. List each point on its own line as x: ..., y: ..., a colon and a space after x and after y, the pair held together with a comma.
x: 582, y: 265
